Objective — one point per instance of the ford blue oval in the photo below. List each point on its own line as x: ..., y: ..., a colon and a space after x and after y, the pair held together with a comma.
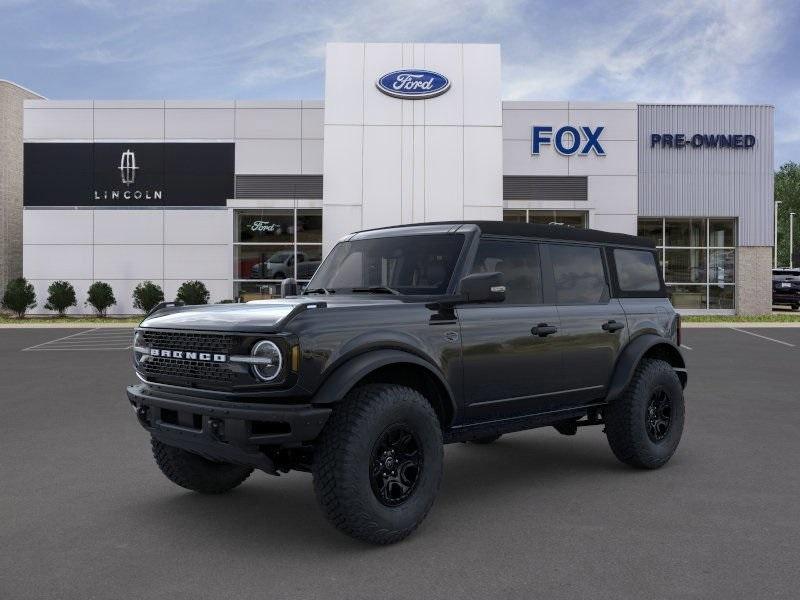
x: 413, y: 84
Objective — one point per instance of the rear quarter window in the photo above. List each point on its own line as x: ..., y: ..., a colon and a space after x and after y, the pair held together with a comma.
x: 637, y: 271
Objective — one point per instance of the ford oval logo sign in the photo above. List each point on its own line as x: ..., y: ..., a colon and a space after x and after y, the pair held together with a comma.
x: 413, y: 84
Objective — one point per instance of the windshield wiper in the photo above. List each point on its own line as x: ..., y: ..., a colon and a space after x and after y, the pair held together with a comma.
x: 319, y: 291
x: 376, y: 289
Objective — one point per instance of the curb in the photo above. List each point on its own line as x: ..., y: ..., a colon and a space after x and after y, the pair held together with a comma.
x: 740, y: 324
x: 67, y: 325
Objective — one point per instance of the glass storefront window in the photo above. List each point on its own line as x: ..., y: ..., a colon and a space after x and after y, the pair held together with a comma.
x: 699, y: 259
x: 685, y: 266
x: 721, y: 233
x: 653, y: 229
x: 571, y: 218
x: 685, y: 232
x: 688, y: 296
x: 272, y: 245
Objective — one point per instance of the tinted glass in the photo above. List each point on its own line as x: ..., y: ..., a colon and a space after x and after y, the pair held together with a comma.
x: 653, y: 229
x: 722, y: 232
x: 579, y: 274
x: 637, y: 271
x: 685, y: 266
x: 685, y: 232
x: 519, y: 264
x: 570, y: 218
x: 515, y: 216
x: 418, y: 264
x: 688, y: 296
x: 721, y: 297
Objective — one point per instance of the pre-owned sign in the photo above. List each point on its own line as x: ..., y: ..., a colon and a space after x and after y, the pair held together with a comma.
x: 702, y: 140
x: 128, y: 174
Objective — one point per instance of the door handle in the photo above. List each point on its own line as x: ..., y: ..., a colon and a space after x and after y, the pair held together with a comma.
x: 612, y: 326
x: 543, y: 330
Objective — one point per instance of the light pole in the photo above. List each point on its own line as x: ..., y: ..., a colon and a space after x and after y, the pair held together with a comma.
x: 777, y: 202
x: 791, y: 238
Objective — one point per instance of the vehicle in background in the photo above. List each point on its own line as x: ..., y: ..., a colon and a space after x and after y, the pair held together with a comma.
x: 786, y: 288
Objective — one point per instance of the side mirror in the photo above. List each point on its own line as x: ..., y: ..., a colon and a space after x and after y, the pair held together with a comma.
x: 482, y: 287
x: 288, y: 287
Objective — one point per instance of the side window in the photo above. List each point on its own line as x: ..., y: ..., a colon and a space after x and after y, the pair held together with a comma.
x: 636, y: 271
x: 519, y: 264
x: 579, y: 274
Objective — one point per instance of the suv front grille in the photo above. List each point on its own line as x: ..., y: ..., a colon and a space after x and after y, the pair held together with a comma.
x: 167, y: 369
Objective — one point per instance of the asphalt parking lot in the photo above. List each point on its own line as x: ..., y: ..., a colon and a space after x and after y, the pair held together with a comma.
x: 84, y: 512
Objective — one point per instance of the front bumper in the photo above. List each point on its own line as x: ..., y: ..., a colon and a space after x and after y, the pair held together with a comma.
x: 227, y: 431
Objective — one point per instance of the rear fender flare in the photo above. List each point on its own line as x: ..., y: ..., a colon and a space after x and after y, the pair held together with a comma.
x: 632, y: 355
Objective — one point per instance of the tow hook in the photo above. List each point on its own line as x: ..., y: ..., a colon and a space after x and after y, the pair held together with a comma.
x: 215, y: 426
x: 142, y: 413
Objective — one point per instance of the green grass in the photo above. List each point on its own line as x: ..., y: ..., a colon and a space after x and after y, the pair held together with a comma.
x: 769, y: 318
x: 56, y: 321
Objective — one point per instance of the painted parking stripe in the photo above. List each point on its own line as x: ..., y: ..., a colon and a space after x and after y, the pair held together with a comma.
x: 763, y: 337
x: 685, y: 347
x: 91, y: 339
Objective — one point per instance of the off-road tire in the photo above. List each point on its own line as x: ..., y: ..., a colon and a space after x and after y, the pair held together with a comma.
x: 196, y: 473
x: 626, y: 417
x: 344, y: 454
x: 489, y: 439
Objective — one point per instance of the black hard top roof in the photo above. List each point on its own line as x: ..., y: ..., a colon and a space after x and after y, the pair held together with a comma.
x: 532, y: 230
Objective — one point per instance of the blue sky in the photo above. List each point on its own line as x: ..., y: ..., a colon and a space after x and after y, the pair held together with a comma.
x: 715, y: 51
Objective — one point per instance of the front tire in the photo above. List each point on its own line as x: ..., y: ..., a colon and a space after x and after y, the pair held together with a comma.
x: 645, y: 425
x: 378, y: 463
x: 196, y: 473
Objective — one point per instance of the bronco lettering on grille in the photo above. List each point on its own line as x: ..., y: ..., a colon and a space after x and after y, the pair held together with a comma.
x: 185, y: 355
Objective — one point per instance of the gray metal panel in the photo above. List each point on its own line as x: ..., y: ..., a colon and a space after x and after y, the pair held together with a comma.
x: 709, y: 182
x: 545, y: 188
x: 279, y: 186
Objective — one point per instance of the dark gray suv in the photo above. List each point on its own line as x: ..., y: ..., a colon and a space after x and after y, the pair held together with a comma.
x: 408, y: 338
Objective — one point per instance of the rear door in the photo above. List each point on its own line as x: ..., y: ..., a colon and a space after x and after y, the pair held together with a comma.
x: 593, y: 325
x: 510, y: 350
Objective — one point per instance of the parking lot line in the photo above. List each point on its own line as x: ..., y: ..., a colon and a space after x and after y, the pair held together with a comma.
x: 686, y: 347
x: 763, y: 337
x: 91, y: 339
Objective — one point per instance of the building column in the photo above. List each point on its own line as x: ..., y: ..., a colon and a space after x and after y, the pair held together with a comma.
x: 753, y: 280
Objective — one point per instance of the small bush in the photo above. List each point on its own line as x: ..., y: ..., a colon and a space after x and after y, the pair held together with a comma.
x: 19, y: 297
x: 60, y: 296
x: 193, y: 292
x: 147, y: 295
x: 226, y: 301
x: 101, y: 297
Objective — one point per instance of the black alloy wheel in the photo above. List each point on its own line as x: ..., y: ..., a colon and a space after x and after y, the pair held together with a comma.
x: 396, y: 465
x: 659, y: 415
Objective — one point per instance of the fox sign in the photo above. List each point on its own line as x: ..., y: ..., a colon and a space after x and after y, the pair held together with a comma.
x: 568, y: 140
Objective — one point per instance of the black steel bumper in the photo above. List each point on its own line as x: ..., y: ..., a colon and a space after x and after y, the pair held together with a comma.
x: 232, y: 432
x: 786, y: 297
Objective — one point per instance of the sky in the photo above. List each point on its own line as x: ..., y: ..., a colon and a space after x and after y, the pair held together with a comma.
x: 713, y: 51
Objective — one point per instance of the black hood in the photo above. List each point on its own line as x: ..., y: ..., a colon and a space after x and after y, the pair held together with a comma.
x: 257, y: 316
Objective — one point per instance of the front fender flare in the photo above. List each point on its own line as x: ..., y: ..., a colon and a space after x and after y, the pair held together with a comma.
x: 334, y: 388
x: 631, y: 356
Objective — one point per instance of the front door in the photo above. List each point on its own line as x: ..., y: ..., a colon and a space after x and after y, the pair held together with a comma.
x: 593, y: 326
x: 511, y: 357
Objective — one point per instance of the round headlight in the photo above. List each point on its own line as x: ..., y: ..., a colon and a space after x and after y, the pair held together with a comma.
x: 139, y: 346
x: 269, y: 363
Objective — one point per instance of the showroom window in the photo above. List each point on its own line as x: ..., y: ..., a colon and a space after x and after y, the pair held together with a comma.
x: 271, y: 245
x: 698, y: 260
x: 572, y: 218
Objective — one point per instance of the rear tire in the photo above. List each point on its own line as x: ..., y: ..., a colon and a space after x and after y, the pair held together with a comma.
x: 645, y: 425
x: 378, y: 463
x: 196, y: 473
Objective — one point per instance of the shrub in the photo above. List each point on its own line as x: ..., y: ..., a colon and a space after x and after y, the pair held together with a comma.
x: 60, y: 296
x: 101, y: 297
x: 19, y: 296
x: 193, y: 292
x: 147, y: 295
x: 226, y: 301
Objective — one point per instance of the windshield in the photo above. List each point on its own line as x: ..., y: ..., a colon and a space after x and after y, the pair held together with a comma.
x: 413, y: 264
x: 279, y: 256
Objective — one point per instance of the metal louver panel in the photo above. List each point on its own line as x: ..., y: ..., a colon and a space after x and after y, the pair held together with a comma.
x: 279, y: 186
x: 545, y: 188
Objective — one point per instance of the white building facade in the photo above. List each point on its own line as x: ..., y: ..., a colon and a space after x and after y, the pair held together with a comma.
x: 241, y: 194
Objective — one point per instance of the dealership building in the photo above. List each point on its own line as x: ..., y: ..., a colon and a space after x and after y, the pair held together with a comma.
x: 240, y: 194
